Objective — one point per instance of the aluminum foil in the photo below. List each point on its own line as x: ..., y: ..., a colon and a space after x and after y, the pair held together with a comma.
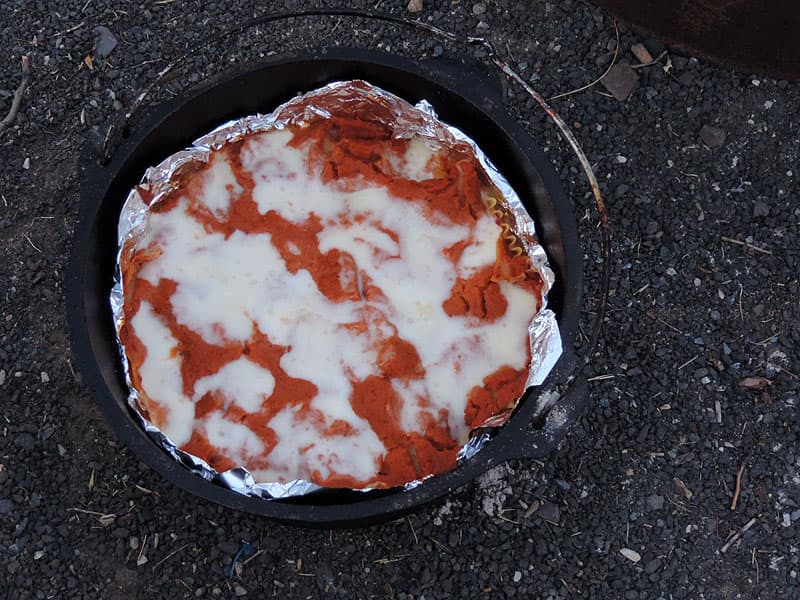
x: 157, y: 183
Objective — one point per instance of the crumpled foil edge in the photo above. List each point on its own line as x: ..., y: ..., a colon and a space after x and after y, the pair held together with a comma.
x: 545, y: 339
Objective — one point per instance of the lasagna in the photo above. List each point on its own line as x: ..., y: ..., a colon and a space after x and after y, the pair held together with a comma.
x: 330, y: 298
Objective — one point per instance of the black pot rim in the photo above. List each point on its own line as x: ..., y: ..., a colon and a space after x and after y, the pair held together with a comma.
x: 478, y: 91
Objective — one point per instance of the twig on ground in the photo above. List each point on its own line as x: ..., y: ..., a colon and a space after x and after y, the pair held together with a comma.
x: 105, y: 519
x: 738, y: 487
x: 34, y: 246
x: 650, y: 315
x: 170, y: 555
x: 139, y: 560
x: 754, y: 561
x: 601, y: 377
x: 599, y: 79
x: 17, y: 101
x: 738, y: 535
x: 789, y: 373
x: 247, y: 560
x: 746, y: 245
x: 655, y: 61
x: 410, y: 524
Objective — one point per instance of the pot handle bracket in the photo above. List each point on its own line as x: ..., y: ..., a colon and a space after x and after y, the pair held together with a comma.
x: 531, y: 442
x: 559, y: 404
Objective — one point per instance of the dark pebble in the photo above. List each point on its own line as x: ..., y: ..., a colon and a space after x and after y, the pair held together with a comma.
x: 761, y: 209
x: 105, y: 41
x: 620, y: 81
x: 653, y: 566
x: 549, y: 512
x: 713, y: 137
x: 25, y: 441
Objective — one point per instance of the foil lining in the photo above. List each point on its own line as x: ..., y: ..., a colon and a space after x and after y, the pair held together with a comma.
x: 421, y: 120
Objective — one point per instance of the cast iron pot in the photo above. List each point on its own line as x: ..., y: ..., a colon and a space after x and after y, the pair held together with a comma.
x: 466, y: 97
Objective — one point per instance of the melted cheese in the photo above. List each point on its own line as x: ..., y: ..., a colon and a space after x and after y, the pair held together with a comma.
x: 161, y: 374
x: 241, y: 381
x: 219, y: 186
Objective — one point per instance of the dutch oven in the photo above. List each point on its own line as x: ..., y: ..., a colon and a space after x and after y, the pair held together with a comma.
x: 464, y: 96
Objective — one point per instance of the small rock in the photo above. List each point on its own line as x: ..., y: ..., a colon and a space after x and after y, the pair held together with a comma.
x: 414, y: 6
x: 713, y: 137
x: 631, y: 555
x: 26, y: 164
x: 2, y: 376
x: 549, y: 512
x: 620, y: 81
x: 105, y: 41
x: 6, y: 506
x: 45, y: 377
x: 655, y: 502
x: 25, y: 441
x: 641, y: 53
x: 239, y: 590
x: 38, y: 554
x: 517, y: 576
x: 479, y: 8
x: 761, y: 209
x: 653, y: 566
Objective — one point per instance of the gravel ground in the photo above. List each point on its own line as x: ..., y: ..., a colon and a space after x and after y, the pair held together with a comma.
x: 636, y: 503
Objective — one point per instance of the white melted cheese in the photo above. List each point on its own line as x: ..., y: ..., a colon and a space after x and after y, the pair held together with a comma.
x: 483, y: 249
x: 226, y: 287
x: 219, y: 186
x: 414, y: 163
x: 309, y: 452
x: 241, y: 381
x: 161, y: 374
x: 238, y: 441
